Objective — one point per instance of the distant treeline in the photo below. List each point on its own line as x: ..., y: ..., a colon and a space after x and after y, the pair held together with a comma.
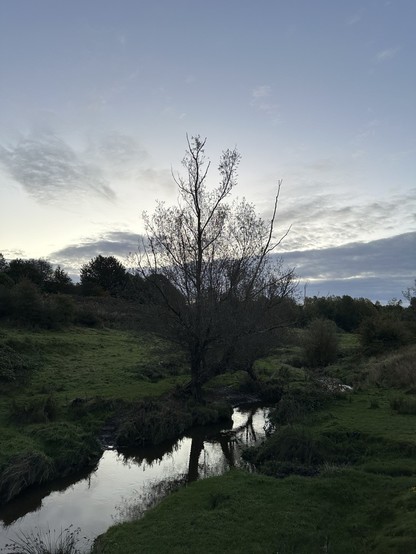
x: 33, y: 292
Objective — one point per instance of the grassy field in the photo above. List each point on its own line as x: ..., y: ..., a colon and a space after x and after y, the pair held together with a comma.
x: 361, y: 449
x: 68, y: 384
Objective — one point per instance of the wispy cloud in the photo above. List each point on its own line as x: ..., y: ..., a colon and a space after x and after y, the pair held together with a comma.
x: 324, y: 219
x: 355, y: 18
x: 262, y: 101
x: 116, y: 243
x: 50, y: 170
x: 387, y: 54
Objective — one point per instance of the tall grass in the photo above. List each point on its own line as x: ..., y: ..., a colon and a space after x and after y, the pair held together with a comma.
x: 397, y: 370
x: 66, y: 541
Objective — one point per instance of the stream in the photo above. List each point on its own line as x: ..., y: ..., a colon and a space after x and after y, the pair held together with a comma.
x: 125, y: 484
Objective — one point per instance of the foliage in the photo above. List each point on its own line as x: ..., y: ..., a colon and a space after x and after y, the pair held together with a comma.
x: 3, y: 263
x: 60, y: 282
x: 61, y: 311
x: 345, y: 311
x: 297, y: 403
x: 404, y: 405
x: 23, y: 470
x: 37, y: 271
x: 210, y: 263
x: 150, y: 422
x: 103, y: 275
x: 6, y: 281
x: 383, y: 333
x: 28, y: 306
x: 320, y: 343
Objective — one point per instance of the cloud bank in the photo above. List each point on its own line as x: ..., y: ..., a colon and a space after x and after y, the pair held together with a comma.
x: 324, y: 220
x: 378, y: 270
x: 49, y: 170
x: 117, y: 243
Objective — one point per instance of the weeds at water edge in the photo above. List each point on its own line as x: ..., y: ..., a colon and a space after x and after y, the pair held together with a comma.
x: 66, y: 541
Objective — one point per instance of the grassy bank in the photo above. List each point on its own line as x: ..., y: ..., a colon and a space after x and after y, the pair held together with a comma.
x: 349, y: 468
x: 59, y: 388
x: 342, y: 511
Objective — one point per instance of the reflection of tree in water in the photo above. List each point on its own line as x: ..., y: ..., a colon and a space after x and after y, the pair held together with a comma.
x: 231, y: 442
x: 148, y: 456
x: 149, y: 496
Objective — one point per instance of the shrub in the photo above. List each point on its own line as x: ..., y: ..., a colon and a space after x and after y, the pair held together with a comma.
x: 404, y: 405
x: 383, y: 333
x: 59, y: 311
x: 6, y: 281
x: 27, y: 303
x: 24, y: 469
x: 70, y: 447
x: 150, y: 422
x: 320, y: 343
x: 88, y: 317
x: 6, y: 301
x: 297, y: 403
x: 295, y: 444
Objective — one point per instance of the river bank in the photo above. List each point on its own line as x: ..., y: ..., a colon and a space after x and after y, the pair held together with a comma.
x: 361, y: 497
x: 125, y: 485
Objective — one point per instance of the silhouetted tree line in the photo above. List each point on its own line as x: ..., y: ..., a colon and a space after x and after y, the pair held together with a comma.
x: 34, y: 293
x: 105, y: 276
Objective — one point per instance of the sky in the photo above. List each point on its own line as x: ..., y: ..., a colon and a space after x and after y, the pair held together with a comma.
x: 97, y: 98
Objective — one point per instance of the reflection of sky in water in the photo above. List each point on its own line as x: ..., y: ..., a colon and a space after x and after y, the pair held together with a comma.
x: 106, y: 496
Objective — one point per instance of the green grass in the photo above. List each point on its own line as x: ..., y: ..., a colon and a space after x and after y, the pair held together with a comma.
x: 100, y: 368
x: 341, y: 512
x: 362, y: 500
x: 90, y: 362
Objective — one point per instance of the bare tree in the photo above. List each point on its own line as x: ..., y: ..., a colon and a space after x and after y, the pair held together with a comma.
x: 210, y: 263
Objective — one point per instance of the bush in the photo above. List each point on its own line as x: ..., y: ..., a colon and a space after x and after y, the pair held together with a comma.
x: 28, y: 303
x: 320, y: 343
x: 294, y: 444
x: 150, y: 422
x: 68, y: 445
x: 23, y: 470
x: 88, y: 317
x: 383, y: 333
x: 6, y: 301
x: 296, y: 404
x: 404, y: 405
x: 61, y: 311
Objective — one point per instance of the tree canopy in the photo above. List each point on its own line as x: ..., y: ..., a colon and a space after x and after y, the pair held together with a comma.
x: 227, y: 291
x: 103, y: 274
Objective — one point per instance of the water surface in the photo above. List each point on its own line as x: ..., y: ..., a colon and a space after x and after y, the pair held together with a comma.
x: 124, y: 485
